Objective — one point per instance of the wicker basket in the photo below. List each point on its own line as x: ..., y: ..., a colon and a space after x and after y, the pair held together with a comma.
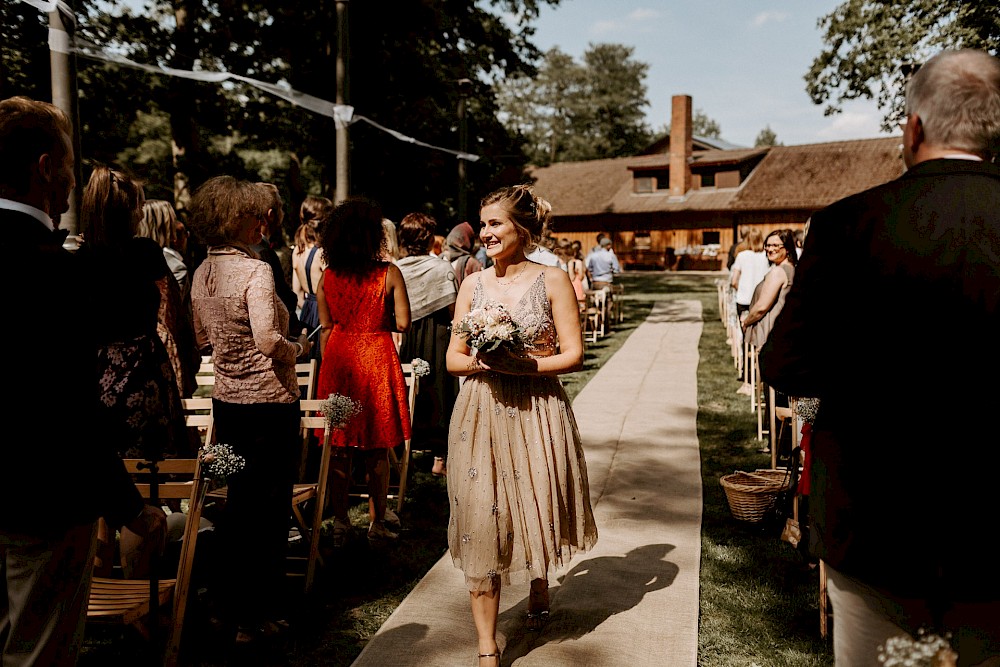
x: 752, y: 495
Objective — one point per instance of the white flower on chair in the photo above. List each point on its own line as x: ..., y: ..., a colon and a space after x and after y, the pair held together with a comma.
x: 339, y: 410
x: 927, y: 650
x: 219, y: 461
x: 420, y: 367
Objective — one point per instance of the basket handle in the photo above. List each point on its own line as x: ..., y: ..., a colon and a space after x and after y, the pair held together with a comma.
x: 760, y: 477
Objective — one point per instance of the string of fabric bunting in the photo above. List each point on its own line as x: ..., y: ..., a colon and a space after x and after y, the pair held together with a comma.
x: 343, y: 115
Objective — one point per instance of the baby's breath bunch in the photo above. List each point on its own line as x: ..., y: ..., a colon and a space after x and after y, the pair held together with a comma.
x: 806, y: 408
x: 927, y: 650
x: 339, y: 409
x: 420, y: 367
x: 219, y: 462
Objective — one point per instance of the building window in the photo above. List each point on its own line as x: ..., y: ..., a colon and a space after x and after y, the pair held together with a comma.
x: 642, y: 184
x: 708, y: 179
x: 708, y: 238
x: 651, y: 180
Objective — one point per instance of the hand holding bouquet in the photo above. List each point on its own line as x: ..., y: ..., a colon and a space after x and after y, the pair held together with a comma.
x: 489, y: 327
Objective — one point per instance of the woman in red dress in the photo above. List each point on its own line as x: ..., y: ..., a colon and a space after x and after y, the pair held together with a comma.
x: 362, y: 301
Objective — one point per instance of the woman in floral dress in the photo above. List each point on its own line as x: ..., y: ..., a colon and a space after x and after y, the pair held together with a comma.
x: 520, y: 500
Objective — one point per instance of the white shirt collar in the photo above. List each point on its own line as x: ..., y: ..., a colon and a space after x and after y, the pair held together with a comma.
x: 962, y: 156
x: 38, y: 214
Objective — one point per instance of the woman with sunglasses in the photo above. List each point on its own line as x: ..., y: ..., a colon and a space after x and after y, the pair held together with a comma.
x: 769, y: 295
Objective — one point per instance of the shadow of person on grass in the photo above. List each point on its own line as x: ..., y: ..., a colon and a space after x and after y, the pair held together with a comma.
x: 591, y: 592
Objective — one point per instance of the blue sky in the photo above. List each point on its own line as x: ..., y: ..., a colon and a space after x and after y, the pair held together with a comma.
x: 741, y: 61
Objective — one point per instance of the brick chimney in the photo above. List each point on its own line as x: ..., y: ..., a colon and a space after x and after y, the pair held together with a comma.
x: 680, y: 145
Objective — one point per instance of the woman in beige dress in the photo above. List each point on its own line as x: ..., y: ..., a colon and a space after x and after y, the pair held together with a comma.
x: 520, y: 500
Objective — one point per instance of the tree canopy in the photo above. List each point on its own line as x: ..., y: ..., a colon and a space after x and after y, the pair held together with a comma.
x: 402, y: 75
x: 701, y: 126
x: 579, y: 111
x: 767, y: 137
x: 868, y: 41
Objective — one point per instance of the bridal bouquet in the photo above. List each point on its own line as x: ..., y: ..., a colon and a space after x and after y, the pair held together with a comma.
x: 339, y: 409
x: 488, y: 327
x: 219, y: 462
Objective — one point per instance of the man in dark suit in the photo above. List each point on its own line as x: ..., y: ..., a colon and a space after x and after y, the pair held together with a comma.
x: 893, y: 323
x: 275, y: 217
x: 56, y: 476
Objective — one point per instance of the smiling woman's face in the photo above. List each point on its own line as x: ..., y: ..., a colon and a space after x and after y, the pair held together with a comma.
x: 498, y: 232
x: 775, y: 249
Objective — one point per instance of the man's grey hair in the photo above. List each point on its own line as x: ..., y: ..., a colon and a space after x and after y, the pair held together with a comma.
x: 956, y: 94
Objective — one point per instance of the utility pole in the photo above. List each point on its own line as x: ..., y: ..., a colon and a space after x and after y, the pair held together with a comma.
x: 343, y: 138
x: 62, y: 64
x: 464, y: 88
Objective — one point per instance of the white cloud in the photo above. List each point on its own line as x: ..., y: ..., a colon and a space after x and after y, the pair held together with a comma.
x: 851, y: 125
x: 642, y: 14
x: 768, y: 17
x: 636, y: 19
x: 604, y: 27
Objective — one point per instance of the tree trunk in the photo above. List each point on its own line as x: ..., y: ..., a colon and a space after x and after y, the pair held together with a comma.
x: 181, y: 106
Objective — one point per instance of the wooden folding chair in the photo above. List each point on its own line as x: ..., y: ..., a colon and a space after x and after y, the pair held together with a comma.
x: 205, y: 377
x: 400, y: 465
x: 304, y: 492
x: 126, y: 601
x: 597, y: 307
x: 307, y: 373
x: 198, y: 415
x: 617, y: 292
x: 780, y: 420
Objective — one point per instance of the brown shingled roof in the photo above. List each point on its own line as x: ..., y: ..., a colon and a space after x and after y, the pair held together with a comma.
x: 698, y: 158
x: 815, y: 175
x: 788, y: 177
x: 582, y: 188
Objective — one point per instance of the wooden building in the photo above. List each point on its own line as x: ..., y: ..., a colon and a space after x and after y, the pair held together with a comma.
x: 680, y: 208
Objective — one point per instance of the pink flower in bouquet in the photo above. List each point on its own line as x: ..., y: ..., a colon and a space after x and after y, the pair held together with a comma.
x: 488, y: 327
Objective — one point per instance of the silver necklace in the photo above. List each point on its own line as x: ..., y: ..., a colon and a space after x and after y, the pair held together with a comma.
x: 505, y: 287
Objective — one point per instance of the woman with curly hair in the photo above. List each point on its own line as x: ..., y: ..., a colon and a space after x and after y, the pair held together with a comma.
x: 362, y: 300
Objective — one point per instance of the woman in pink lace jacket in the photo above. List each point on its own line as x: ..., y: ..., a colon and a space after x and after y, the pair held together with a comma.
x: 255, y: 402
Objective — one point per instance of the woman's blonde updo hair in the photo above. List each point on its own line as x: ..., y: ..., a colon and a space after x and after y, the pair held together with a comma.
x: 531, y: 214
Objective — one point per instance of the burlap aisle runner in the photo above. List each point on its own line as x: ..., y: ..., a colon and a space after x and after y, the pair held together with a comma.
x: 633, y: 601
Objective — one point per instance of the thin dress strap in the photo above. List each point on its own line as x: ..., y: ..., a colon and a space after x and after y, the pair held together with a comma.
x: 309, y: 261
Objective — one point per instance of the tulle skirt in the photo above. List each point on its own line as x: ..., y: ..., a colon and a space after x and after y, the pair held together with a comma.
x: 517, y: 481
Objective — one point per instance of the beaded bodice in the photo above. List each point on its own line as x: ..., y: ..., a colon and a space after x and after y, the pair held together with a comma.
x: 532, y: 314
